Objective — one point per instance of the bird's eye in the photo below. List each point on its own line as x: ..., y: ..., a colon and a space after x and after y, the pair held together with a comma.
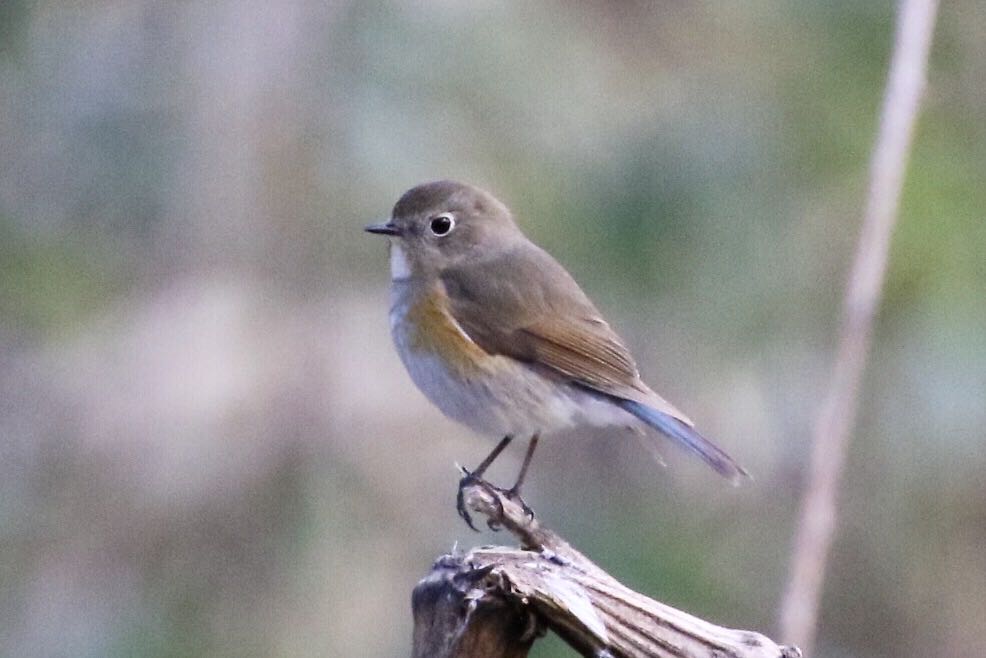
x: 442, y: 224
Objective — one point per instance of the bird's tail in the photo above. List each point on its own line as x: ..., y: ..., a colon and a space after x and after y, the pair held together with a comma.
x: 688, y: 438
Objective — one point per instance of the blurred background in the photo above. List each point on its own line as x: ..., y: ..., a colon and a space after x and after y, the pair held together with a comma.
x: 207, y: 444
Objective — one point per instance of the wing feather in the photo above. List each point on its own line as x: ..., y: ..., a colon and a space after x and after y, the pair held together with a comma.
x: 526, y: 306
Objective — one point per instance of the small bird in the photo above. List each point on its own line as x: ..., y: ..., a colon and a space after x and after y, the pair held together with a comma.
x: 499, y: 336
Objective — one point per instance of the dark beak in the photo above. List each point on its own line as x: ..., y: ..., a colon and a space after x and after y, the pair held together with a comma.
x: 383, y: 229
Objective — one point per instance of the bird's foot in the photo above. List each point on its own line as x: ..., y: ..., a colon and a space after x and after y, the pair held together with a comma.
x: 468, y: 479
x: 513, y: 494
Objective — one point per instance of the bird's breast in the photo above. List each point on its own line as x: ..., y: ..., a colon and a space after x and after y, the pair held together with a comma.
x: 422, y: 323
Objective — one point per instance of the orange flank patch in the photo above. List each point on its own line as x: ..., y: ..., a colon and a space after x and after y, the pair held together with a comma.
x: 436, y: 331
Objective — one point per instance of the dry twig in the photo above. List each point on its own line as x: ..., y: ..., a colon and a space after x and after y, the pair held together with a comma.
x: 836, y: 415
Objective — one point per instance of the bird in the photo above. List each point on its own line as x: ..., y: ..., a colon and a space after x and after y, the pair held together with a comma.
x: 500, y: 337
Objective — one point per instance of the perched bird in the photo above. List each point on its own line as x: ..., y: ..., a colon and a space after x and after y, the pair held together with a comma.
x: 501, y: 338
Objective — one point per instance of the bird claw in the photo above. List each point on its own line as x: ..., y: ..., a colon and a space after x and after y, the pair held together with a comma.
x: 513, y: 495
x: 460, y: 503
x: 468, y: 479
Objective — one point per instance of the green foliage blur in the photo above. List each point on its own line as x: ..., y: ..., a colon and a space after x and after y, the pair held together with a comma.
x: 207, y: 444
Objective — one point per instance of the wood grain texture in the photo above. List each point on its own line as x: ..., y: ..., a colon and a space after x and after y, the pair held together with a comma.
x: 495, y: 601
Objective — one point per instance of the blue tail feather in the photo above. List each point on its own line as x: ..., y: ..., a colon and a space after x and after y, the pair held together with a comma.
x: 687, y: 438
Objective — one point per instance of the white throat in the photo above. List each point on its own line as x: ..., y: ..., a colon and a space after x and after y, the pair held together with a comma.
x: 400, y: 269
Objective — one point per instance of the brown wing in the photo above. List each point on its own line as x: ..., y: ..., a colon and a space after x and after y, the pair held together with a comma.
x: 585, y: 351
x: 526, y: 306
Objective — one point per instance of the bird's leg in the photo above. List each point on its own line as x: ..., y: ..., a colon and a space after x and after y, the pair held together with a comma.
x: 490, y: 458
x: 514, y: 492
x: 476, y: 477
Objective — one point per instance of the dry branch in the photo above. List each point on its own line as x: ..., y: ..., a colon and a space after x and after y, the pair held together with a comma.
x: 493, y: 602
x: 837, y: 413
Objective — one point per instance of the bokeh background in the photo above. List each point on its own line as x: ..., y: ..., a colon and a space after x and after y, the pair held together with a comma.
x: 207, y: 444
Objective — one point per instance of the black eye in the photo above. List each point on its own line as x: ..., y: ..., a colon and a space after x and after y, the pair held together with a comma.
x: 442, y: 224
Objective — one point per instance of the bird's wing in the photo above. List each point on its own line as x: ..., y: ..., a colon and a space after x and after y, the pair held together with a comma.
x: 526, y: 306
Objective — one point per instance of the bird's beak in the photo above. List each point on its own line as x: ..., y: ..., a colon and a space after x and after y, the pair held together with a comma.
x: 383, y: 229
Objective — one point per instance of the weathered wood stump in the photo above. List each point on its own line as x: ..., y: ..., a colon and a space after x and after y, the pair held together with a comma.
x: 494, y: 602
